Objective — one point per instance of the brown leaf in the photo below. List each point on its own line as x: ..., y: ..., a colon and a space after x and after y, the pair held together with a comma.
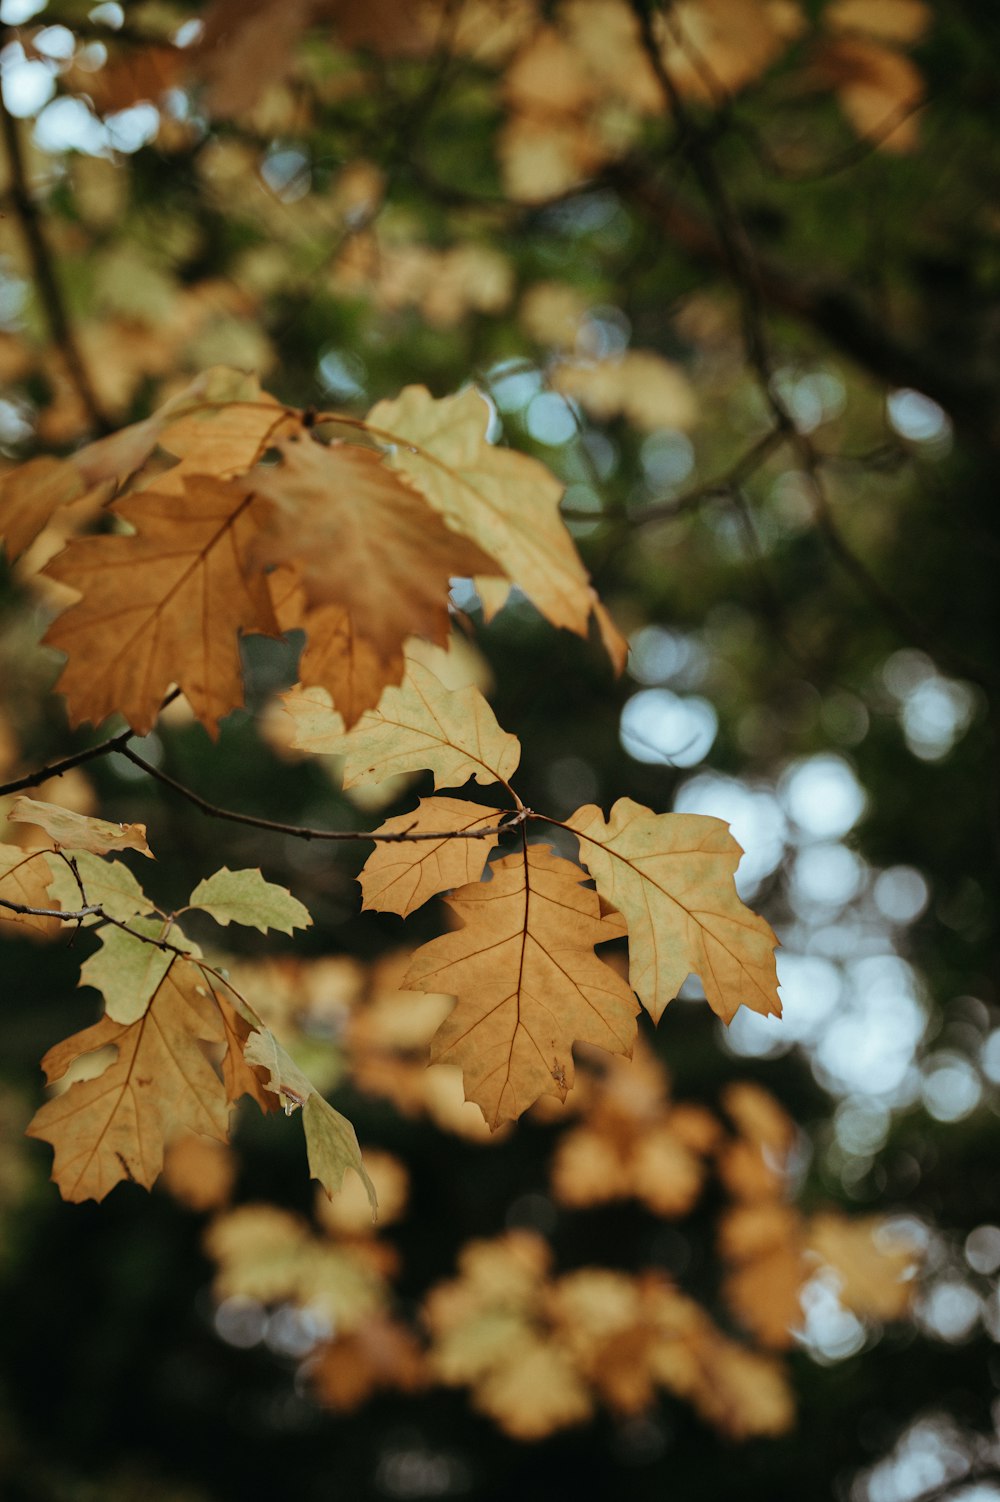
x: 166, y: 604
x: 671, y: 877
x: 380, y: 1355
x: 30, y: 495
x: 74, y: 831
x: 527, y: 981
x: 159, y: 1087
x: 365, y: 540
x: 239, y: 1077
x: 400, y: 878
x: 25, y: 878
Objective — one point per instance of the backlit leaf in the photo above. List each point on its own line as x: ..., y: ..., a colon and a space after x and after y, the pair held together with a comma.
x: 527, y: 982
x: 72, y: 831
x: 453, y: 733
x: 400, y: 878
x: 165, y: 605
x: 245, y: 897
x: 331, y: 1142
x: 671, y: 877
x: 160, y: 1086
x: 507, y: 502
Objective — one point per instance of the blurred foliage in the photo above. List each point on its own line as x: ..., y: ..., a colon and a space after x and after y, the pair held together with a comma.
x: 728, y: 268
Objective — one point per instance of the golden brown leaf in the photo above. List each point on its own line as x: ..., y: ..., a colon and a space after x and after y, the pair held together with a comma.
x: 421, y: 724
x: 527, y: 982
x: 671, y: 877
x: 73, y: 831
x: 380, y: 1355
x: 364, y: 539
x: 398, y: 878
x: 159, y: 1086
x: 199, y: 1173
x: 25, y: 878
x: 28, y: 497
x: 874, y: 1264
x: 506, y: 502
x: 166, y: 604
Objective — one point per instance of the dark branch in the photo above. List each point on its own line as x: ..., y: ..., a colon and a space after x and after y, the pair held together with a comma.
x: 43, y: 272
x: 302, y: 832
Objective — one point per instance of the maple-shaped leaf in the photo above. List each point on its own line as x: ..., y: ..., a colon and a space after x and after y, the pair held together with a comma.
x: 25, y: 879
x: 420, y: 725
x: 527, y: 982
x: 363, y: 539
x: 507, y: 502
x: 331, y: 1142
x: 671, y: 878
x: 245, y: 897
x: 398, y: 878
x: 109, y: 883
x: 165, y: 605
x: 72, y: 831
x: 158, y: 1087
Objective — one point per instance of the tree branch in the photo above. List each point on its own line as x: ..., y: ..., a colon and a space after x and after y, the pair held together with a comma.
x: 43, y: 272
x: 302, y: 832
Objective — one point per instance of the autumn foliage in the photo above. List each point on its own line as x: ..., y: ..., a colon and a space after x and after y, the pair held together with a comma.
x: 186, y: 503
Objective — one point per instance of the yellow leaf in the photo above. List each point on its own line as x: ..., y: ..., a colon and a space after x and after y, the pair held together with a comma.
x: 199, y: 1173
x: 71, y: 831
x: 398, y: 878
x: 534, y: 1391
x: 671, y: 878
x: 890, y: 20
x: 640, y: 385
x: 159, y: 1087
x: 506, y: 502
x: 527, y: 983
x: 24, y: 879
x: 421, y: 724
x: 875, y: 1266
x: 165, y: 604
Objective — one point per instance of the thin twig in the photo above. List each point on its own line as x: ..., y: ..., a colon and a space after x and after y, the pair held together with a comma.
x: 508, y: 820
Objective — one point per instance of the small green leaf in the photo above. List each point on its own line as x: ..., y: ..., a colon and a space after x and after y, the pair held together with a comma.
x: 127, y: 972
x: 107, y: 882
x: 245, y: 897
x: 331, y: 1141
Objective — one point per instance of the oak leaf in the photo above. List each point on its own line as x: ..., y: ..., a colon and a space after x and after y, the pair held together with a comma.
x: 165, y: 604
x: 505, y: 501
x: 108, y: 883
x: 398, y: 878
x: 127, y: 970
x: 331, y: 1143
x: 365, y: 540
x: 245, y: 897
x: 527, y: 982
x: 72, y: 831
x: 30, y: 495
x: 421, y: 724
x: 671, y: 877
x: 159, y: 1087
x: 24, y: 878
